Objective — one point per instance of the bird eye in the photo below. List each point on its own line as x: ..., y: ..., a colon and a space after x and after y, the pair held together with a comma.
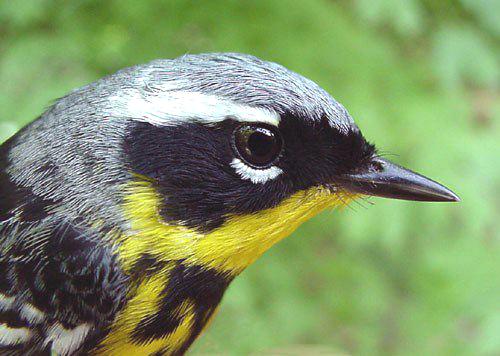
x: 259, y: 146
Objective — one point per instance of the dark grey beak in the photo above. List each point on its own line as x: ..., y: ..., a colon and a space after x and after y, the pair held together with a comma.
x: 388, y: 180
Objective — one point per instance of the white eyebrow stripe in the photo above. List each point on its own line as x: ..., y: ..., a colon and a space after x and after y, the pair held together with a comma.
x: 173, y: 107
x: 256, y: 176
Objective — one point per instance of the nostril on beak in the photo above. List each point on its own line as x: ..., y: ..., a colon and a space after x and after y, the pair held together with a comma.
x: 376, y: 166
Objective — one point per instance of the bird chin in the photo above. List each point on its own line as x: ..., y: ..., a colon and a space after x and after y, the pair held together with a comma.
x: 231, y: 247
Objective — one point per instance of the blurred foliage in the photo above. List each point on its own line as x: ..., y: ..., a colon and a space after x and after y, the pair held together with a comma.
x: 421, y: 77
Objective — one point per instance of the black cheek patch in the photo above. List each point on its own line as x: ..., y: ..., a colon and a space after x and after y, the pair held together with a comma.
x: 190, y: 164
x: 316, y: 152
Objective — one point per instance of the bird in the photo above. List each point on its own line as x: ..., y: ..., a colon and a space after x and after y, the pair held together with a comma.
x: 129, y: 206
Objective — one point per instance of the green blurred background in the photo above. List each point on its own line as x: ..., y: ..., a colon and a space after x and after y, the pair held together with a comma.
x: 421, y: 78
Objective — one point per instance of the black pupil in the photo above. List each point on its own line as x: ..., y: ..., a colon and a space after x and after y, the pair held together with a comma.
x: 261, y: 143
x: 258, y: 146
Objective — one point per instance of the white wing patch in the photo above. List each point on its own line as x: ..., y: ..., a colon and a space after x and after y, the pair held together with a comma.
x: 32, y: 314
x: 13, y: 336
x: 256, y: 176
x: 174, y: 107
x: 6, y: 302
x: 66, y: 341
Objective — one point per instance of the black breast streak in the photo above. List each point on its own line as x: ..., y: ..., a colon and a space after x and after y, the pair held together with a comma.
x: 204, y: 287
x: 146, y: 266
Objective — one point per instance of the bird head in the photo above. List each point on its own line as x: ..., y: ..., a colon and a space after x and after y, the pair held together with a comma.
x: 236, y: 152
x: 217, y: 156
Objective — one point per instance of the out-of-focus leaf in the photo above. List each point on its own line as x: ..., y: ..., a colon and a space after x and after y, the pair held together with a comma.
x: 463, y: 55
x: 486, y: 11
x: 405, y: 17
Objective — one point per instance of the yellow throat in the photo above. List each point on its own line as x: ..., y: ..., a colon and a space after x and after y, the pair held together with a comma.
x: 229, y: 248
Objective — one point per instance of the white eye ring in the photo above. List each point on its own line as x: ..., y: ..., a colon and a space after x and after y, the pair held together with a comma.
x: 256, y: 176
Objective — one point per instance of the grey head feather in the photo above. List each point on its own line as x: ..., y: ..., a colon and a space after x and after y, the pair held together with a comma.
x: 80, y: 128
x: 246, y: 80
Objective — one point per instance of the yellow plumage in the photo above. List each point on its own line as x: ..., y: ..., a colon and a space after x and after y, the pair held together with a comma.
x: 228, y: 249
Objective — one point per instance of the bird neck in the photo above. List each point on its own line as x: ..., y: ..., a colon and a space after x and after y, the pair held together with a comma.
x: 179, y: 275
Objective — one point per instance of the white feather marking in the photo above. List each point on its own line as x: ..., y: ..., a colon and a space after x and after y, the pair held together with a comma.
x: 6, y: 302
x: 174, y: 107
x: 13, y: 336
x: 66, y: 341
x: 256, y: 176
x: 32, y: 314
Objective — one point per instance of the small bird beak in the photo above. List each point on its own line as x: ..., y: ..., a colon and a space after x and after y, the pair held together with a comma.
x: 388, y: 180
